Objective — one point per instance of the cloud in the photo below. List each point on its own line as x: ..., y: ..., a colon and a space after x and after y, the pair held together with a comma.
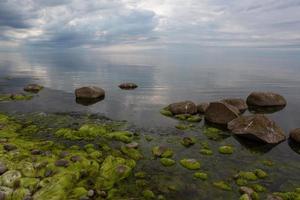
x: 102, y: 23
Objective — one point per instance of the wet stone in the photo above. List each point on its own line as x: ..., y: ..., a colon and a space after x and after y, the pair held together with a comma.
x: 62, y: 163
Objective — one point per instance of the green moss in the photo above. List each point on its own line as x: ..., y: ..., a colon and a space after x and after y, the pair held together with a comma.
x: 222, y: 185
x: 206, y: 152
x: 184, y: 126
x: 123, y: 136
x: 194, y: 118
x: 250, y: 176
x: 162, y: 151
x: 213, y: 133
x: 258, y: 188
x: 188, y: 141
x: 288, y: 195
x: 167, y: 162
x: 268, y: 163
x: 166, y: 112
x: 20, y: 194
x: 131, y: 153
x: 148, y: 194
x: 21, y: 97
x: 191, y: 164
x: 29, y: 130
x: 140, y: 175
x: 260, y: 173
x: 226, y: 149
x: 67, y: 134
x: 182, y: 116
x: 149, y: 138
x: 201, y: 175
x: 78, y: 193
x: 29, y: 183
x: 241, y: 182
x: 5, y: 97
x: 245, y: 197
x: 255, y: 196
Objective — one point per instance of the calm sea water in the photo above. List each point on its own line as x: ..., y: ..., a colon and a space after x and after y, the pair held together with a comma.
x: 167, y: 76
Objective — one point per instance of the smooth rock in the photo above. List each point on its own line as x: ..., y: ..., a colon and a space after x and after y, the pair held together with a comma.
x: 239, y: 104
x: 265, y: 99
x: 201, y: 108
x: 295, y: 135
x: 128, y: 86
x: 220, y: 113
x: 89, y: 92
x: 184, y: 107
x: 257, y: 127
x: 34, y: 88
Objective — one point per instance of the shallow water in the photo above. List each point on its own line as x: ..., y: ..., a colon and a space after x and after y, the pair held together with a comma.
x: 164, y: 77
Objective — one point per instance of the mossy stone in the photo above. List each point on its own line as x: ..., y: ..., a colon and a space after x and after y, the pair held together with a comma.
x: 194, y: 118
x: 182, y: 116
x: 241, y: 182
x: 258, y: 188
x: 188, y: 141
x: 132, y: 153
x: 222, y: 185
x: 245, y: 197
x: 201, y: 175
x: 226, y: 149
x: 250, y: 176
x: 10, y: 177
x: 148, y: 194
x: 20, y: 194
x: 261, y: 173
x: 167, y: 162
x: 206, y: 152
x: 212, y: 133
x: 191, y: 164
x: 166, y: 112
x: 162, y: 151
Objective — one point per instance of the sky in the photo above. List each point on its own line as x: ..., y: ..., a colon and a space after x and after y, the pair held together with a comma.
x: 117, y: 24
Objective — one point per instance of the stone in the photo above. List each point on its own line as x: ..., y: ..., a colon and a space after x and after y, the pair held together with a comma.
x: 188, y: 141
x: 226, y: 149
x: 162, y: 151
x: 273, y: 197
x: 246, y: 190
x: 36, y: 152
x: 191, y: 164
x: 34, y: 88
x: 90, y: 193
x: 220, y: 113
x: 295, y: 135
x: 265, y: 99
x: 184, y: 107
x: 128, y: 86
x: 167, y: 162
x: 62, y: 163
x: 3, y: 168
x: 239, y: 104
x: 257, y: 127
x: 89, y: 92
x: 132, y: 145
x: 9, y: 147
x: 201, y: 108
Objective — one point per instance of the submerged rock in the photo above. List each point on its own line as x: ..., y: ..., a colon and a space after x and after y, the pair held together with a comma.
x: 128, y: 86
x: 34, y: 88
x: 201, y: 108
x: 167, y: 162
x: 184, y: 107
x: 201, y: 175
x: 162, y: 151
x: 89, y: 92
x: 220, y: 113
x: 257, y: 127
x: 239, y: 104
x: 265, y: 99
x: 222, y: 185
x: 226, y: 149
x: 188, y: 141
x: 295, y: 135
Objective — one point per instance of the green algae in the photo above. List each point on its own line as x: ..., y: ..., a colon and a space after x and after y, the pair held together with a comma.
x: 258, y: 188
x: 188, y: 141
x: 222, y: 185
x: 207, y: 152
x: 184, y: 126
x: 191, y: 164
x: 213, y: 133
x: 183, y: 116
x: 15, y: 97
x: 166, y: 112
x: 245, y: 197
x: 201, y: 175
x: 148, y: 194
x: 226, y: 149
x: 194, y: 118
x: 162, y: 151
x: 167, y: 162
x: 131, y: 153
x: 248, y: 175
x: 260, y: 173
x: 241, y: 182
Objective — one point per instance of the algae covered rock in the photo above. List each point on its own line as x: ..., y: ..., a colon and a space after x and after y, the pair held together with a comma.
x: 257, y: 127
x: 148, y: 194
x: 166, y: 112
x: 190, y: 163
x: 201, y: 175
x: 162, y: 151
x: 167, y: 162
x: 34, y: 88
x: 113, y: 170
x: 226, y: 149
x: 222, y: 185
x: 20, y: 194
x: 131, y: 153
x: 188, y: 141
x: 10, y: 177
x: 123, y: 136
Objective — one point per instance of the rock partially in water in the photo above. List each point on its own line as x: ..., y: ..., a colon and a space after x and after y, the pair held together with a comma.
x: 220, y: 113
x: 239, y: 104
x: 128, y: 86
x: 257, y: 127
x: 184, y: 107
x: 89, y: 92
x: 295, y: 135
x: 265, y: 99
x: 201, y: 108
x: 87, y: 101
x: 34, y: 88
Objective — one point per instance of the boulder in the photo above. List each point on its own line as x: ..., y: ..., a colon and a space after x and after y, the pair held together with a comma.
x: 257, y: 127
x: 295, y: 135
x: 89, y: 92
x: 184, y: 107
x: 240, y: 104
x: 265, y: 99
x: 220, y: 113
x: 128, y: 86
x: 201, y: 108
x: 34, y: 88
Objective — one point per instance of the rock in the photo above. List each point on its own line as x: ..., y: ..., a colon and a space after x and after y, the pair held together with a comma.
x: 226, y: 149
x: 295, y: 135
x: 64, y: 154
x: 257, y: 127
x: 34, y: 88
x: 246, y: 190
x: 128, y: 86
x: 89, y: 92
x: 191, y: 164
x: 220, y: 113
x: 273, y: 197
x: 9, y: 147
x: 184, y: 107
x: 188, y: 141
x: 3, y: 168
x: 239, y: 104
x: 9, y: 178
x: 36, y: 152
x: 75, y: 158
x: 167, y: 162
x: 62, y: 163
x: 265, y: 99
x: 162, y: 151
x: 2, y: 196
x: 201, y: 108
x: 132, y: 145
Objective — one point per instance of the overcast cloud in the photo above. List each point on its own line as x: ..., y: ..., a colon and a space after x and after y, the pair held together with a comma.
x: 149, y: 23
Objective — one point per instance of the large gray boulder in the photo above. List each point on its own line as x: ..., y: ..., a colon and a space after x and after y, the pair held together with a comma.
x: 257, y: 127
x: 89, y: 92
x: 265, y: 99
x: 184, y: 107
x: 295, y: 135
x: 220, y: 113
x: 240, y: 104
